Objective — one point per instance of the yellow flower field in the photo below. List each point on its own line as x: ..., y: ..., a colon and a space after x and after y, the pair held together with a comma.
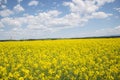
x: 70, y: 59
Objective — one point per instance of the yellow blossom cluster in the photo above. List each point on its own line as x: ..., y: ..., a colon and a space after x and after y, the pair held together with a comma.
x: 70, y: 59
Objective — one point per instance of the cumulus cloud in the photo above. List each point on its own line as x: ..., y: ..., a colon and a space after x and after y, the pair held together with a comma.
x: 101, y: 32
x: 3, y: 2
x: 18, y: 8
x: 80, y: 6
x: 100, y: 15
x: 85, y: 6
x: 5, y: 12
x: 117, y: 9
x: 42, y: 20
x: 11, y: 22
x: 1, y: 25
x: 3, y: 6
x: 19, y: 1
x: 108, y: 31
x: 114, y: 31
x: 85, y: 10
x: 81, y: 11
x: 102, y: 2
x: 117, y: 28
x: 33, y: 3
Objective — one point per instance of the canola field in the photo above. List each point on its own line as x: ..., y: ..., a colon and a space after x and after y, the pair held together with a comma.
x: 70, y: 59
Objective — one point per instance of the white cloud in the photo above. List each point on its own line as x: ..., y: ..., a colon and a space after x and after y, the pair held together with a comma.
x: 19, y: 1
x: 117, y: 28
x: 100, y: 32
x: 88, y: 9
x: 18, y: 8
x: 3, y: 6
x: 11, y: 22
x: 85, y: 6
x: 102, y: 2
x: 117, y: 9
x: 5, y: 12
x: 80, y: 12
x: 85, y: 10
x: 80, y: 6
x: 1, y: 25
x: 33, y: 3
x: 108, y: 31
x: 100, y: 15
x: 42, y: 20
x: 3, y: 1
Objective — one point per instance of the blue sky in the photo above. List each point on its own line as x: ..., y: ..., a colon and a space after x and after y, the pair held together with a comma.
x: 36, y: 19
